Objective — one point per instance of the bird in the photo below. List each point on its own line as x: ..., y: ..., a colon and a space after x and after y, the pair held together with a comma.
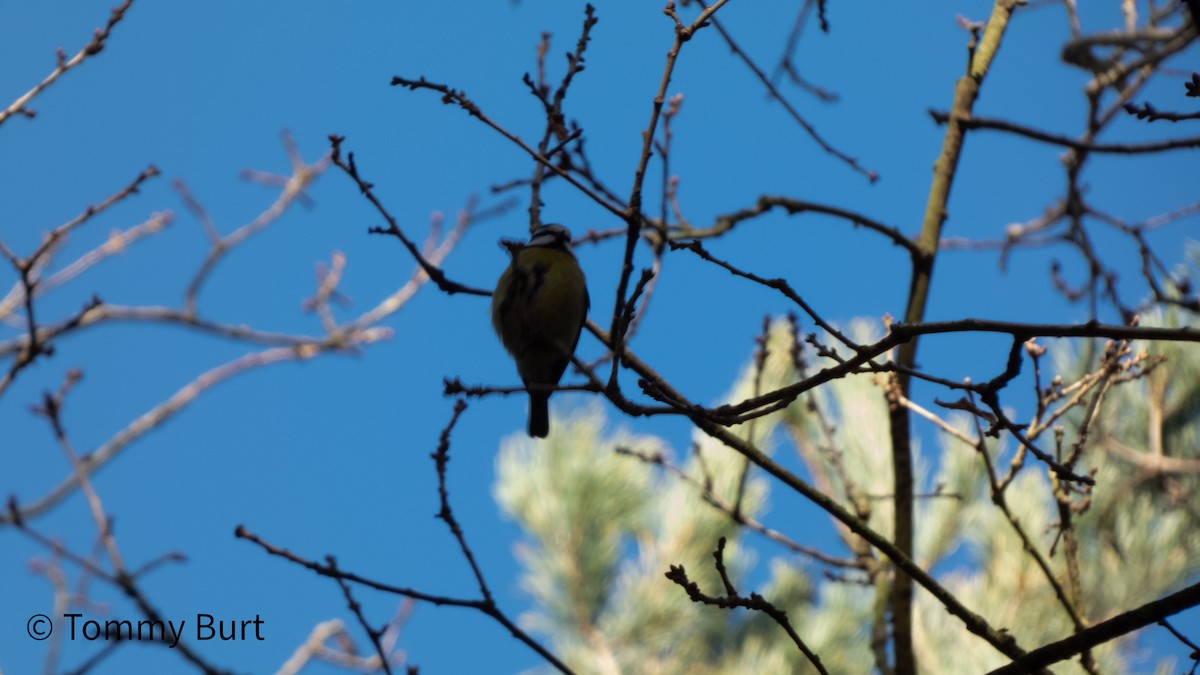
x: 538, y: 310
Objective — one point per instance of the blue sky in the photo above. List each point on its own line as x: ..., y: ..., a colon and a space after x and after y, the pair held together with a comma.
x: 331, y: 456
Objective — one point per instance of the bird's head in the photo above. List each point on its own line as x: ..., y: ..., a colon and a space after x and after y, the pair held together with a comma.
x: 552, y: 235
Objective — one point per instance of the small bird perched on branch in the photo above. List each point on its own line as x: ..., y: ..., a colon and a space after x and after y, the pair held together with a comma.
x: 538, y: 310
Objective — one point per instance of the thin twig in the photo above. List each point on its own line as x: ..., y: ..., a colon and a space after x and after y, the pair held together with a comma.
x: 709, y: 495
x: 632, y: 215
x: 456, y: 97
x: 373, y: 634
x: 485, y: 604
x: 95, y: 46
x: 1067, y: 141
x: 294, y: 187
x: 731, y: 599
x: 787, y: 105
x: 435, y: 273
x: 767, y: 203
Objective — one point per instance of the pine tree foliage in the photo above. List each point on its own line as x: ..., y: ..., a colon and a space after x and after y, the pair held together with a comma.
x: 607, y: 513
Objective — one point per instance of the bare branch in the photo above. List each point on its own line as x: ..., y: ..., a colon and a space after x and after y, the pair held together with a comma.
x: 755, y: 602
x: 1104, y: 631
x: 1066, y: 141
x: 294, y: 188
x: 373, y: 634
x: 1151, y: 114
x: 436, y: 274
x: 456, y: 97
x: 95, y: 46
x: 787, y: 105
x: 714, y: 500
x: 486, y: 604
x: 766, y: 203
x: 1001, y: 640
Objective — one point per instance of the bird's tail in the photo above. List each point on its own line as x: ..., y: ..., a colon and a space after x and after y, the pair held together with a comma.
x: 539, y: 415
